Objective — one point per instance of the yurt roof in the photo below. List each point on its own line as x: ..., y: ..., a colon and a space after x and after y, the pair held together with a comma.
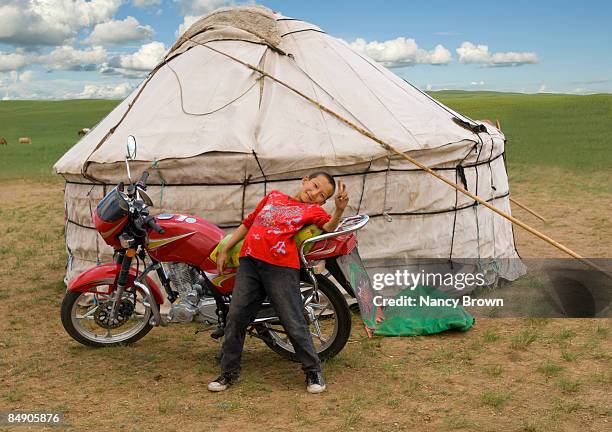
x: 203, y: 100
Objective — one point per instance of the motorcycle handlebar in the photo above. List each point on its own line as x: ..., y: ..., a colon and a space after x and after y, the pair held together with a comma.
x: 143, y: 180
x: 151, y: 222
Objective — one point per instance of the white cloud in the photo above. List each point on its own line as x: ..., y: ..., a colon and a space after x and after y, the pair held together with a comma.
x: 145, y: 59
x: 26, y: 76
x: 13, y: 87
x: 401, y: 52
x: 188, y: 21
x: 477, y: 83
x: 118, y: 91
x: 116, y: 32
x: 13, y: 61
x: 67, y: 58
x: 51, y: 22
x: 542, y: 89
x: 470, y: 53
x: 146, y: 3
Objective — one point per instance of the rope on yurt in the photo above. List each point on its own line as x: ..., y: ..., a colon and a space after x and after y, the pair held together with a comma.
x: 427, y: 213
x: 450, y: 256
x: 313, y: 83
x: 261, y: 64
x: 303, y: 30
x: 475, y: 202
x: 331, y: 97
x: 262, y: 173
x: 453, y: 168
x: 91, y: 217
x: 363, y: 181
x: 385, y: 210
x: 445, y: 108
x: 511, y: 225
x: 112, y: 130
x: 459, y: 173
x: 216, y: 109
x: 493, y: 190
x: 162, y: 182
x: 375, y: 96
x: 245, y: 183
x: 489, y: 163
x: 70, y: 255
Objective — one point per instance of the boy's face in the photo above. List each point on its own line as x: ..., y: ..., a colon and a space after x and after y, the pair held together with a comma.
x: 315, y: 190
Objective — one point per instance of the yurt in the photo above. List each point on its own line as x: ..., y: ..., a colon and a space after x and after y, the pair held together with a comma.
x: 240, y: 106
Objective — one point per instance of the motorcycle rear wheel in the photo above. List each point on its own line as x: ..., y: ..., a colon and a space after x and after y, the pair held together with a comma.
x: 78, y: 318
x: 333, y: 316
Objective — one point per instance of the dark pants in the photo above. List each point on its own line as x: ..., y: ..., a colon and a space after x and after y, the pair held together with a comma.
x: 255, y: 280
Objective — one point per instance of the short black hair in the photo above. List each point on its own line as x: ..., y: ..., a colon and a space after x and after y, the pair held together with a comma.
x: 329, y: 178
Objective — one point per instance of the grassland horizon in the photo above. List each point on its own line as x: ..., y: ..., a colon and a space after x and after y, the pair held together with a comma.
x: 567, y: 132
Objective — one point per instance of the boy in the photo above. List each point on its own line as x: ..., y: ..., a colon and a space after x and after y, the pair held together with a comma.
x: 270, y: 267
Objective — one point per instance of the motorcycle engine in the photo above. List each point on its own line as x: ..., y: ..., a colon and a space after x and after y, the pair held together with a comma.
x: 192, y: 304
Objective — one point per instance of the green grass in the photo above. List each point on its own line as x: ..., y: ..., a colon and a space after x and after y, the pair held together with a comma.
x: 494, y: 370
x: 565, y: 131
x: 568, y: 385
x: 53, y: 127
x: 560, y: 131
x: 522, y: 340
x: 490, y: 336
x: 550, y: 368
x: 495, y: 399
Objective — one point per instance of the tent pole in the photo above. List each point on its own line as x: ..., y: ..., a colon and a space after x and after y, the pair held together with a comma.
x: 524, y: 207
x: 425, y: 168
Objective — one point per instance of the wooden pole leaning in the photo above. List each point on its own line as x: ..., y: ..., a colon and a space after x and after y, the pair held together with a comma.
x: 425, y: 168
x: 524, y: 207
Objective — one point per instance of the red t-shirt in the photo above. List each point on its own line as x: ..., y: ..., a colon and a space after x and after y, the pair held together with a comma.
x: 272, y: 225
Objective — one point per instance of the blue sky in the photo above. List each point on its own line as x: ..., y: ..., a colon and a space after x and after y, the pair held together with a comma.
x: 56, y: 49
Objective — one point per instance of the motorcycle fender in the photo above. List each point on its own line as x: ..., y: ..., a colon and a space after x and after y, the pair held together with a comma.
x: 106, y: 274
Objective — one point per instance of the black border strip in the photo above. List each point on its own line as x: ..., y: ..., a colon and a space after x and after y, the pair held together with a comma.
x: 79, y: 225
x: 375, y: 215
x: 299, y: 178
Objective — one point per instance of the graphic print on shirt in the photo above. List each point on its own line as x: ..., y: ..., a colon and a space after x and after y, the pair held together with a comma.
x: 275, y: 216
x: 279, y: 247
x: 272, y: 227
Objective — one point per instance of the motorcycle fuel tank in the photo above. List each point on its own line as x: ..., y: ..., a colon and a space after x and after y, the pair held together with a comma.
x: 188, y: 239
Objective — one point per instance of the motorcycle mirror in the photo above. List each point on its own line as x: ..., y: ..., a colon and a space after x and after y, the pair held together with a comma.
x: 131, y: 148
x: 145, y: 198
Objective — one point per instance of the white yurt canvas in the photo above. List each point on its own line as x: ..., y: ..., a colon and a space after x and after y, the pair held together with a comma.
x: 217, y: 135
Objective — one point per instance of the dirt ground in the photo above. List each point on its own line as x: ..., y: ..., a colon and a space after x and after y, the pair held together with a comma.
x: 504, y: 374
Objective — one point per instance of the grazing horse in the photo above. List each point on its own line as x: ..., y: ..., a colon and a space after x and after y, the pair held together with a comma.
x: 3, y: 141
x: 25, y: 140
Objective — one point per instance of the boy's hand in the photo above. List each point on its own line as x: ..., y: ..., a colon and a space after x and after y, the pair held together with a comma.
x: 221, y: 258
x: 341, y: 196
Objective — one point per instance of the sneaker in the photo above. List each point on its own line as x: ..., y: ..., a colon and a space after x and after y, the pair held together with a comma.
x: 314, y: 382
x: 222, y: 382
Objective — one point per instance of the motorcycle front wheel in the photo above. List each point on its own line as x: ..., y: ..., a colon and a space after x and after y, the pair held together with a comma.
x: 328, y: 319
x: 86, y: 318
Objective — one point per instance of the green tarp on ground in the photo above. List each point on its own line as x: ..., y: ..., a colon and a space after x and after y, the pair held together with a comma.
x: 421, y: 320
x: 408, y: 317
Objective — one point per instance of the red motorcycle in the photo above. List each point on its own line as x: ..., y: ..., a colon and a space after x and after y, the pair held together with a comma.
x: 119, y: 303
